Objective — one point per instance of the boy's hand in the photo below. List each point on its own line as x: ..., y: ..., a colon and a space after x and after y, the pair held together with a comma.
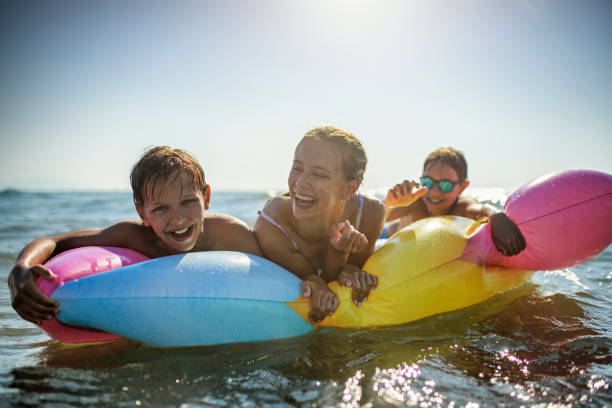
x: 506, y: 235
x: 404, y: 194
x: 324, y: 302
x: 361, y: 282
x: 345, y: 238
x: 27, y: 300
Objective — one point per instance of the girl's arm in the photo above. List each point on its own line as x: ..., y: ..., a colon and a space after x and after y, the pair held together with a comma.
x: 372, y: 224
x: 276, y: 247
x: 361, y: 282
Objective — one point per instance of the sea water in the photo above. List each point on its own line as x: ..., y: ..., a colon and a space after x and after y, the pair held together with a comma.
x: 546, y: 343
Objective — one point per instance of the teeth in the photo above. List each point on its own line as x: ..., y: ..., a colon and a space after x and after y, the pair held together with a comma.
x: 303, y: 198
x: 179, y: 232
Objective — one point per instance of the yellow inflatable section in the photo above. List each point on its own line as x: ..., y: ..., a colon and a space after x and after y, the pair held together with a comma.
x: 420, y: 274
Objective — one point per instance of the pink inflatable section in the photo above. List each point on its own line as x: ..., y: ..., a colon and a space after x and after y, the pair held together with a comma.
x: 69, y: 266
x: 564, y: 217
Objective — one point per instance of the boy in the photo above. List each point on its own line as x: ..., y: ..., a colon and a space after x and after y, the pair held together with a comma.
x: 444, y: 179
x: 171, y: 196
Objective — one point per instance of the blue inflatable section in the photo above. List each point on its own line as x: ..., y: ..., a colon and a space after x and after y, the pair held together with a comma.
x: 188, y: 299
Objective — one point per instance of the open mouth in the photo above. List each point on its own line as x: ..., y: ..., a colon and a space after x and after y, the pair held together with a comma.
x: 303, y: 202
x: 434, y: 201
x: 182, y: 234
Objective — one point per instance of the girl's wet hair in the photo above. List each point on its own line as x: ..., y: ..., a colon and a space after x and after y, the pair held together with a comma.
x: 352, y: 153
x: 449, y: 156
x: 157, y: 165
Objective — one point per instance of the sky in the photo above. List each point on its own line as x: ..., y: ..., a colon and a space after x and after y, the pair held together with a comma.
x: 523, y: 88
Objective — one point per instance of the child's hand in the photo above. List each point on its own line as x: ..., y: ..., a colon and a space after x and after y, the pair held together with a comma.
x: 507, y: 237
x: 404, y: 194
x: 345, y: 238
x: 361, y: 282
x: 27, y: 300
x: 324, y: 302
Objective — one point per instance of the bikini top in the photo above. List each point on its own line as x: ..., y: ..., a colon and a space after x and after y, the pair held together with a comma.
x: 290, y: 238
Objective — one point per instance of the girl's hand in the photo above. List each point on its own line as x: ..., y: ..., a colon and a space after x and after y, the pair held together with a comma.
x: 345, y: 238
x: 361, y: 282
x: 27, y: 300
x: 404, y: 194
x: 324, y: 302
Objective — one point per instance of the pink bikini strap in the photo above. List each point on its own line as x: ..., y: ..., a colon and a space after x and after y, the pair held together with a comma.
x: 280, y: 227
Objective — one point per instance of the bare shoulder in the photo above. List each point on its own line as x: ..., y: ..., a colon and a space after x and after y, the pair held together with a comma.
x: 228, y: 233
x: 278, y: 207
x: 271, y: 239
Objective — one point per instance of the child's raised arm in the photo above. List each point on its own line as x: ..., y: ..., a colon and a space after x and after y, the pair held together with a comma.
x: 402, y: 195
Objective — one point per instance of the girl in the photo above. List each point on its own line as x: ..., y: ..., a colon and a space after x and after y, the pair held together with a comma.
x: 323, y: 230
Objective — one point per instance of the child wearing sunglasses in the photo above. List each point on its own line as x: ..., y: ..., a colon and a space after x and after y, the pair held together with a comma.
x: 439, y: 193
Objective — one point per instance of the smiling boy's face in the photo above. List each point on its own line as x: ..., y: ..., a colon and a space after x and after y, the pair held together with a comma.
x: 437, y: 201
x: 175, y: 212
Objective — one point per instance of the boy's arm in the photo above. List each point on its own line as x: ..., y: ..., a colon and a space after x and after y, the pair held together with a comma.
x: 400, y: 197
x: 506, y: 235
x: 26, y: 298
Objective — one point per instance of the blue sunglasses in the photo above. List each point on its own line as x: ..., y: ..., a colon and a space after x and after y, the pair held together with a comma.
x: 446, y: 186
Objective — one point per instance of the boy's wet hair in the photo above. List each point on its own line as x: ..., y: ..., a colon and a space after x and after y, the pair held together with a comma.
x: 157, y: 165
x: 451, y: 157
x: 353, y: 154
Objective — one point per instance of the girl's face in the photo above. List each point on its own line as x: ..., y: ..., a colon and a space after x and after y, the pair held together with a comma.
x: 175, y: 211
x: 316, y: 182
x: 437, y: 201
